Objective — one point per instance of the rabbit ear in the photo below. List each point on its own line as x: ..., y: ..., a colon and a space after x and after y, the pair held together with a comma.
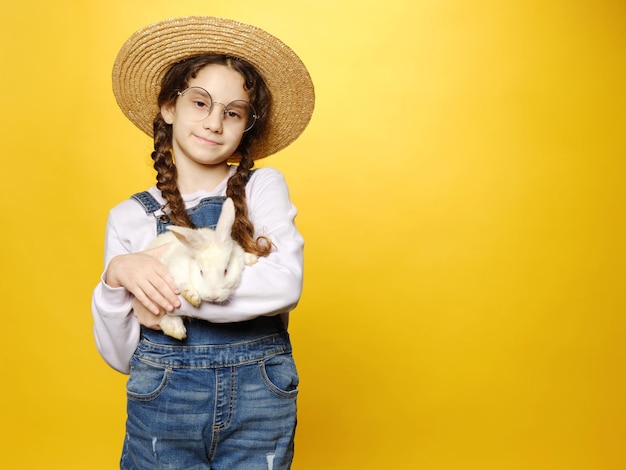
x: 226, y: 220
x: 187, y: 236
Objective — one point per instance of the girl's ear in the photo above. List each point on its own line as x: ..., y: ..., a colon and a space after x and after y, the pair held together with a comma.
x: 167, y: 112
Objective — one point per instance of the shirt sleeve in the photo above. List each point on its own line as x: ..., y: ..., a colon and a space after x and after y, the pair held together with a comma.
x: 273, y: 285
x: 116, y: 330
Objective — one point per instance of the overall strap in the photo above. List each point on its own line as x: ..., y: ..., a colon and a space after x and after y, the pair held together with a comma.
x: 148, y: 202
x: 204, y: 214
x: 151, y: 205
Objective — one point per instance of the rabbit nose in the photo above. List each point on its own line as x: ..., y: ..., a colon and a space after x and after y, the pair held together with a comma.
x: 214, y: 297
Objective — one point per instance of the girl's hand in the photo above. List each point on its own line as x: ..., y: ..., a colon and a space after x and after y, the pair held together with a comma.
x: 144, y: 276
x: 145, y: 317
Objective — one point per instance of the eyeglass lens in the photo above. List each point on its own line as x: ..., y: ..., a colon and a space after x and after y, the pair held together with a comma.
x: 197, y: 104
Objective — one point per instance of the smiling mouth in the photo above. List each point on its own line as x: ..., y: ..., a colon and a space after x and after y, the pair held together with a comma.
x: 206, y: 141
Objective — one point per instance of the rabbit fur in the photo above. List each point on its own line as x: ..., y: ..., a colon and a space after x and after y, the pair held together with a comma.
x: 206, y: 264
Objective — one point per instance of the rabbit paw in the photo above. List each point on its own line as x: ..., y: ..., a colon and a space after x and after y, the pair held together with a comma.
x: 173, y: 326
x: 250, y: 259
x: 192, y: 297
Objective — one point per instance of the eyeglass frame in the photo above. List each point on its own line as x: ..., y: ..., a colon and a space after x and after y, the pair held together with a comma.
x: 254, y: 115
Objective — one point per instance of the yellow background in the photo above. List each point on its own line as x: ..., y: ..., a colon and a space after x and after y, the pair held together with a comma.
x: 461, y: 192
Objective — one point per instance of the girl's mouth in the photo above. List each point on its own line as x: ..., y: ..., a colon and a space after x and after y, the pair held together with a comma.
x: 206, y: 141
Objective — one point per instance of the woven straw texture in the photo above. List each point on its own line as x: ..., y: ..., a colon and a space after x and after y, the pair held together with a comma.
x: 146, y: 55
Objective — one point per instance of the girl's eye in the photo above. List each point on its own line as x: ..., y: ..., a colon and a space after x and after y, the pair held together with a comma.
x: 237, y: 110
x: 201, y: 105
x: 231, y: 114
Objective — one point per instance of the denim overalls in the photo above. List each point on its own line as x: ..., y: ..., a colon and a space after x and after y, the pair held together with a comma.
x: 223, y: 398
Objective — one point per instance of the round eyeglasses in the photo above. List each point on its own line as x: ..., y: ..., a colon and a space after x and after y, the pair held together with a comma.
x: 196, y: 104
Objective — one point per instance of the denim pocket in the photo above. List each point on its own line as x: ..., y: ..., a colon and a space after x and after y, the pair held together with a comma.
x: 280, y: 375
x: 147, y: 381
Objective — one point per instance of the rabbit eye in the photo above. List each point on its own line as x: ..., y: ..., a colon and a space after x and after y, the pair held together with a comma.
x: 201, y: 272
x: 225, y: 272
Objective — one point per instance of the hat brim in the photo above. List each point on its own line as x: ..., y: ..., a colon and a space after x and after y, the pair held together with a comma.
x: 144, y: 58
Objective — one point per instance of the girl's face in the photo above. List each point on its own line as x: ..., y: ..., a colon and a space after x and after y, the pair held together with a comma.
x: 203, y: 138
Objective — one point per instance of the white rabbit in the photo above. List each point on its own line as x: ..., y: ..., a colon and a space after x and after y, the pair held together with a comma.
x: 206, y: 264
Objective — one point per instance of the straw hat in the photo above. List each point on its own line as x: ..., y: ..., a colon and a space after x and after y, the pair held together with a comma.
x: 147, y: 54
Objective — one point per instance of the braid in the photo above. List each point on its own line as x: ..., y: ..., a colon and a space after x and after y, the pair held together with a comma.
x: 243, y: 230
x: 167, y: 175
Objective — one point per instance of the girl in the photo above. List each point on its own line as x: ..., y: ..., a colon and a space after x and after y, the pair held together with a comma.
x: 209, y: 91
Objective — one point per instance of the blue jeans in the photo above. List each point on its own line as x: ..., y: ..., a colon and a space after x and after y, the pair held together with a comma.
x: 223, y: 400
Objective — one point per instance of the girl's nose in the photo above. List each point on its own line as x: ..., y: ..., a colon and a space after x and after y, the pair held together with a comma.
x: 214, y: 119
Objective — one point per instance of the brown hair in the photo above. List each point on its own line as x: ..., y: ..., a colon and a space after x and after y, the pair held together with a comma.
x: 176, y: 79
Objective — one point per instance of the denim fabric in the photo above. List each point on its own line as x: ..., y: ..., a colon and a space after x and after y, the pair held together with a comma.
x: 212, y: 407
x: 222, y: 399
x: 204, y: 214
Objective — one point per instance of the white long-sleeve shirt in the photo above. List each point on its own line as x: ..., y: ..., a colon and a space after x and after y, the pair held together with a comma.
x: 270, y: 287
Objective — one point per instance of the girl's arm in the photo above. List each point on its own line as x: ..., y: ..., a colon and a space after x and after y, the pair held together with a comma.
x: 116, y: 331
x: 128, y: 276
